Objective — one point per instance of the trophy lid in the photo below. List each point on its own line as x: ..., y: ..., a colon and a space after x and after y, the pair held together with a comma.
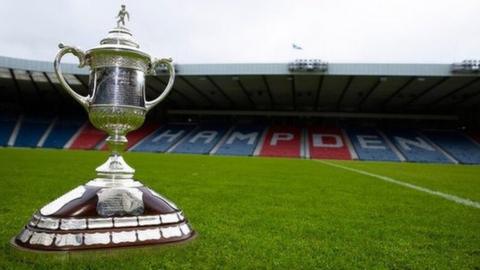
x: 120, y: 38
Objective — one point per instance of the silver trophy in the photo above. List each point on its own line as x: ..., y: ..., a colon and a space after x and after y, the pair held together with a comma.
x: 113, y: 209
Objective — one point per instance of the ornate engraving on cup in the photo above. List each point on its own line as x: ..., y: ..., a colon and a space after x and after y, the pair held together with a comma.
x: 121, y: 119
x: 118, y: 60
x: 118, y: 86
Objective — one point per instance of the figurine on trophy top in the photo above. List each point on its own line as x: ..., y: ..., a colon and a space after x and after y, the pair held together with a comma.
x: 121, y: 17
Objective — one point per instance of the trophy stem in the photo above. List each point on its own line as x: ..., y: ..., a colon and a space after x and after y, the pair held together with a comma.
x: 117, y: 143
x: 115, y: 168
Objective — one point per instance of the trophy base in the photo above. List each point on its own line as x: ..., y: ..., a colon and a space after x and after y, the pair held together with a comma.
x: 99, y: 217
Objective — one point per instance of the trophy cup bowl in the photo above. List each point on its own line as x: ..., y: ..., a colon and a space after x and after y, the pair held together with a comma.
x: 112, y: 210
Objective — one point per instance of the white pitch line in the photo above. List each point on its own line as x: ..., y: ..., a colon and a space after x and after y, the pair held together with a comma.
x: 449, y: 197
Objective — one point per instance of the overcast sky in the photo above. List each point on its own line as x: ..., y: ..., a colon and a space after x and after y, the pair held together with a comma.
x: 235, y: 31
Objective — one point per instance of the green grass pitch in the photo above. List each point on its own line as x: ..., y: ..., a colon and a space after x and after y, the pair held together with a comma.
x: 256, y: 213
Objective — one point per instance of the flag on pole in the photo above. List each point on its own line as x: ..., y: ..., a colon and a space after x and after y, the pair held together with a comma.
x: 296, y: 47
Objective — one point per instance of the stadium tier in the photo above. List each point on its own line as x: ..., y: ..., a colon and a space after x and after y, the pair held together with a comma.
x: 241, y: 141
x: 87, y: 137
x: 282, y: 141
x: 164, y: 138
x: 7, y: 124
x: 328, y: 143
x: 415, y: 147
x: 369, y: 144
x: 299, y: 141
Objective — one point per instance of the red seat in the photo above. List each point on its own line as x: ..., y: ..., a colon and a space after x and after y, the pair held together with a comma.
x: 327, y: 143
x: 282, y: 141
x: 88, y: 138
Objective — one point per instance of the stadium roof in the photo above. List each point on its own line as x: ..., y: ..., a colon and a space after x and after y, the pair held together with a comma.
x: 343, y: 88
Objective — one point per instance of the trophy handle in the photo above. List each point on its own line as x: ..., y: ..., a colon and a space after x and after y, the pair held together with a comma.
x: 171, y: 70
x: 84, y: 101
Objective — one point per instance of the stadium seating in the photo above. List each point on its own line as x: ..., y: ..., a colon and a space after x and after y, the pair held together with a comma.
x: 63, y: 131
x: 163, y: 139
x: 282, y: 141
x: 88, y: 138
x: 438, y: 146
x: 415, y: 147
x: 201, y: 140
x: 241, y: 141
x: 370, y: 145
x: 327, y: 143
x: 7, y: 124
x: 456, y: 144
x: 32, y: 129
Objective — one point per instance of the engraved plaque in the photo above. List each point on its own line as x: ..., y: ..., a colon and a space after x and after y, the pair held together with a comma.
x: 68, y: 240
x: 121, y: 237
x: 25, y: 235
x: 171, y: 232
x: 120, y: 202
x: 45, y: 239
x: 150, y: 234
x: 97, y: 238
x: 118, y: 86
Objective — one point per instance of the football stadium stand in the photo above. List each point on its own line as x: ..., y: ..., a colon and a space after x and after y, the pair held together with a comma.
x: 328, y: 143
x: 164, y: 138
x: 294, y: 141
x: 462, y: 148
x: 7, y: 124
x: 201, y: 140
x: 62, y: 131
x: 241, y: 141
x: 282, y: 141
x: 416, y: 147
x: 378, y: 112
x: 88, y: 137
x: 31, y: 130
x: 369, y: 144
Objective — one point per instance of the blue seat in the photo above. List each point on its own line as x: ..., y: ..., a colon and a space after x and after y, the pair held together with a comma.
x: 202, y: 140
x: 163, y: 138
x: 456, y: 144
x: 370, y: 145
x: 241, y: 141
x: 31, y: 130
x: 63, y: 131
x: 7, y: 124
x: 415, y: 148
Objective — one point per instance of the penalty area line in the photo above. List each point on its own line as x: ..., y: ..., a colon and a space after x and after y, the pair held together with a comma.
x: 446, y: 196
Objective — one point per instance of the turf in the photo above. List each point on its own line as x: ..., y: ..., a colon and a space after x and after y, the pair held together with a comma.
x: 255, y: 213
